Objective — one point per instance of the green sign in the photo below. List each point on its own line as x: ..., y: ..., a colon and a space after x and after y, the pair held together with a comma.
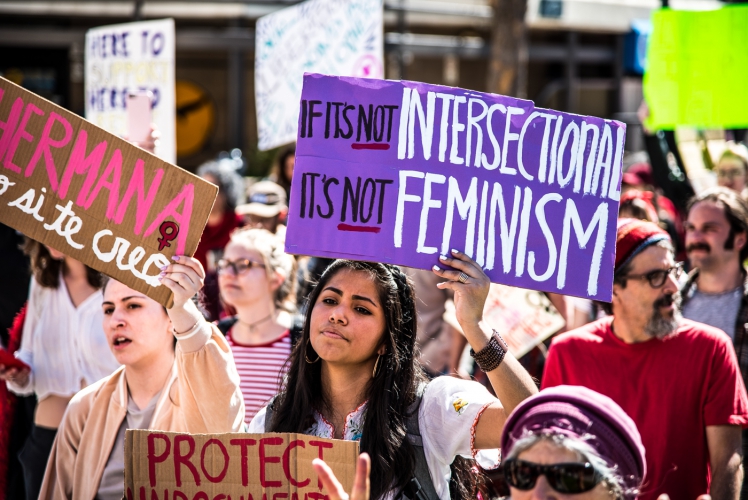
x: 697, y: 69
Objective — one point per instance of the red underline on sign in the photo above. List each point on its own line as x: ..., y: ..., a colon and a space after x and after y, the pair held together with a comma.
x: 360, y: 145
x: 359, y: 229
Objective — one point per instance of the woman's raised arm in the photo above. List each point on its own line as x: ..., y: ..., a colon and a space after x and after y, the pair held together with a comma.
x: 510, y: 380
x: 209, y: 382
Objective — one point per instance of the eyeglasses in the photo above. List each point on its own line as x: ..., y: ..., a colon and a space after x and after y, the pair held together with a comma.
x: 568, y: 478
x: 658, y: 277
x: 238, y: 266
x: 729, y: 174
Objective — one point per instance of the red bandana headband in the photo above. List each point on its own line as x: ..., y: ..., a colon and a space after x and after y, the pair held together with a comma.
x: 634, y: 236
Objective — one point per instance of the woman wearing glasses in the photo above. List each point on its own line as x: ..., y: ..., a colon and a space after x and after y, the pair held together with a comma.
x: 255, y: 277
x: 732, y: 169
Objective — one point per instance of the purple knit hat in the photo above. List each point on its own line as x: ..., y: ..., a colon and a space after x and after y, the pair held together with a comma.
x: 577, y: 411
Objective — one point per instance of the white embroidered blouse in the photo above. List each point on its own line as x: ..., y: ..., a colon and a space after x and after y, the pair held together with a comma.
x: 64, y: 345
x: 448, y: 403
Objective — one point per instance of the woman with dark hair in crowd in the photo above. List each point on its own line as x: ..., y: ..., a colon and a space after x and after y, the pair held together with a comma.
x: 256, y: 278
x: 221, y: 222
x: 283, y: 166
x: 185, y: 385
x: 64, y: 345
x: 354, y: 375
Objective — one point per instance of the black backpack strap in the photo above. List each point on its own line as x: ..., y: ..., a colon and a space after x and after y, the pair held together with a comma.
x: 421, y: 487
x: 225, y: 324
x: 269, y: 414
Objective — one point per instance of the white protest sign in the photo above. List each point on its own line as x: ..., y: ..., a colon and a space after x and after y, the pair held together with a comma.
x: 334, y: 37
x: 525, y: 318
x: 123, y: 58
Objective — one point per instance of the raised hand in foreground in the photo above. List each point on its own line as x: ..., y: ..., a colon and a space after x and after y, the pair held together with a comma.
x: 333, y: 487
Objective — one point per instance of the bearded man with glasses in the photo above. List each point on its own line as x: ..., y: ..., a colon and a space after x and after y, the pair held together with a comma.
x: 678, y: 380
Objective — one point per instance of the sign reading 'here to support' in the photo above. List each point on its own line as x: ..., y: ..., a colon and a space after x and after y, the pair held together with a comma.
x: 124, y: 58
x: 402, y: 172
x: 87, y: 193
x: 167, y: 465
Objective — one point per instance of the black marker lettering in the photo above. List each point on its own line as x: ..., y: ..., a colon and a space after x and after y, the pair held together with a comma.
x: 379, y: 130
x: 337, y: 118
x: 303, y: 118
x: 366, y: 121
x: 348, y: 122
x: 363, y: 199
x: 311, y: 197
x: 330, y: 207
x: 303, y: 196
x: 313, y: 114
x: 348, y: 189
x: 383, y: 184
x: 390, y: 109
x: 327, y: 121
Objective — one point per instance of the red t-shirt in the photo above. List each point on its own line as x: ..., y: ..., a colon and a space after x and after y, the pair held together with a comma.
x: 261, y: 370
x: 672, y: 388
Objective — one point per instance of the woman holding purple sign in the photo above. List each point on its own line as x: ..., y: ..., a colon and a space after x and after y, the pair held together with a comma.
x: 354, y: 375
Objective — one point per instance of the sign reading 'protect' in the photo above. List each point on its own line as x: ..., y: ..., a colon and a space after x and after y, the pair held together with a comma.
x: 93, y: 196
x: 402, y: 172
x: 275, y: 466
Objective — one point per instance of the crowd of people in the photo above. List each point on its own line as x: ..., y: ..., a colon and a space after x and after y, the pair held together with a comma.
x: 638, y: 398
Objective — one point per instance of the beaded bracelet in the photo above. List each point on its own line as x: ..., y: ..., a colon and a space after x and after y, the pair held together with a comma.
x: 490, y: 357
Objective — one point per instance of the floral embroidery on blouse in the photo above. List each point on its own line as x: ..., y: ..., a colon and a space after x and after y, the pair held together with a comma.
x: 352, y: 431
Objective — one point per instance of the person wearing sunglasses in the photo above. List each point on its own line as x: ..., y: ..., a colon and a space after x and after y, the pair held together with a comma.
x: 570, y: 440
x: 678, y: 380
x: 255, y: 278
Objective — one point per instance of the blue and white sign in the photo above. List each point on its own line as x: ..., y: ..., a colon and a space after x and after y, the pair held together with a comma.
x: 130, y: 57
x: 332, y: 37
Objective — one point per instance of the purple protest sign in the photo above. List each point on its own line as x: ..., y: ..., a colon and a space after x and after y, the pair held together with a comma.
x: 402, y: 172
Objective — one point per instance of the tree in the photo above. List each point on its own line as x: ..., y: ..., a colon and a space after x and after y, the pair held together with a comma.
x: 507, y: 69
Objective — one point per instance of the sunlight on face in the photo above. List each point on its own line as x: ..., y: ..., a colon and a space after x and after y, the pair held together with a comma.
x: 546, y: 452
x: 137, y: 327
x: 348, y: 321
x: 249, y: 286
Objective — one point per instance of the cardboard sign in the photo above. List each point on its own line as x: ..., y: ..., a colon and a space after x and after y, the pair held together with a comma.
x: 697, y: 66
x: 336, y: 37
x: 402, y: 172
x: 525, y: 318
x: 94, y: 197
x: 129, y: 57
x: 239, y: 466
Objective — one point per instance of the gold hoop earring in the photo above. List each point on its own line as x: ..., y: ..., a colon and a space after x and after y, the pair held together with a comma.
x: 376, y: 365
x: 306, y: 356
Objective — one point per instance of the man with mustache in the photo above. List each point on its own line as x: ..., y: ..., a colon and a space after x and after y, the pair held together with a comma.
x: 677, y: 379
x: 716, y: 292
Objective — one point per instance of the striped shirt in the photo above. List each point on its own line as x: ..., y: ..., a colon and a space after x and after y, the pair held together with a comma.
x: 261, y: 370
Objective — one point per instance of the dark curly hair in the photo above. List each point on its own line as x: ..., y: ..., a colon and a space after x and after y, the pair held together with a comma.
x: 390, y: 393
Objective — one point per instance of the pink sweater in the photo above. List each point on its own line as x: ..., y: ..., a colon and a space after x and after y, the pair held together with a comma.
x: 202, y: 396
